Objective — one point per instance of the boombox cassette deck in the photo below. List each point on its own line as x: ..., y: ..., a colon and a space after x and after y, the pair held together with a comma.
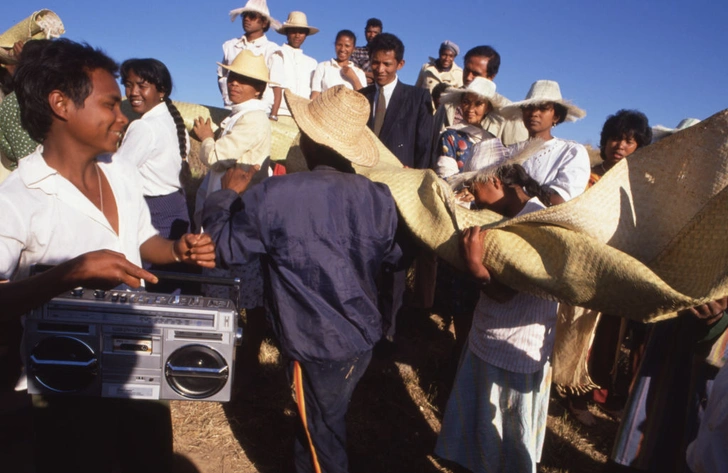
x: 127, y: 344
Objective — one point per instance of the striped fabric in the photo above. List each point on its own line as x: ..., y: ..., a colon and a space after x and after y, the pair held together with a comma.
x: 495, y: 419
x: 301, y: 402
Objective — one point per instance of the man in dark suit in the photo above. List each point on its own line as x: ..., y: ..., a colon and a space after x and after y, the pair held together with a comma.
x: 401, y: 114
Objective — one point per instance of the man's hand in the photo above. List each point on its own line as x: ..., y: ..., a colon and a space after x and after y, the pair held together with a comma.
x: 238, y: 179
x: 710, y: 312
x: 202, y: 129
x: 197, y: 249
x: 103, y: 269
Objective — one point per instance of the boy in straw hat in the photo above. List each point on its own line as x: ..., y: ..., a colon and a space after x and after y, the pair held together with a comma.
x: 297, y: 67
x: 325, y: 235
x: 256, y: 22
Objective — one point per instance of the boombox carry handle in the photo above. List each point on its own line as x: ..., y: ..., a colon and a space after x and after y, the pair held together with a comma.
x: 186, y: 277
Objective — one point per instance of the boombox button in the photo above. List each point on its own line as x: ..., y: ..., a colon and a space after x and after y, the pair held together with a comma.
x: 99, y: 293
x: 123, y: 298
x: 77, y: 292
x: 114, y: 296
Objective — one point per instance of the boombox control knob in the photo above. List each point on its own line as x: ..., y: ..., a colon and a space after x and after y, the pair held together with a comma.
x: 99, y: 293
x: 77, y: 292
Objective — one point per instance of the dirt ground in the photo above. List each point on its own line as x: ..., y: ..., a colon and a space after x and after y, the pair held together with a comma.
x: 393, y: 420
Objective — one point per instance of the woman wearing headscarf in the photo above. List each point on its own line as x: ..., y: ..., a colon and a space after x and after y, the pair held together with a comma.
x: 441, y: 70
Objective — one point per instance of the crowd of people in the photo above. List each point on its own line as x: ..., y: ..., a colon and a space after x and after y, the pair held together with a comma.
x: 323, y: 255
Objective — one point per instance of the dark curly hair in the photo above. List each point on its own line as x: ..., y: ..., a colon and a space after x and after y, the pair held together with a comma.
x: 48, y: 65
x: 156, y: 73
x: 629, y: 124
x: 387, y: 42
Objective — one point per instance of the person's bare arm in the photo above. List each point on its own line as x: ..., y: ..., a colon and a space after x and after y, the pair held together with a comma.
x: 103, y: 269
x: 277, y: 97
x: 192, y: 248
x: 472, y: 249
x: 350, y: 76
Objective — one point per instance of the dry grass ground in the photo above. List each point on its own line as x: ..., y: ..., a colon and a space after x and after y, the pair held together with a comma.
x: 393, y: 420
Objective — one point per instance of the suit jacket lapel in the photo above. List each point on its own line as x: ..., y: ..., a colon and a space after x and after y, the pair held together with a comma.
x: 369, y: 92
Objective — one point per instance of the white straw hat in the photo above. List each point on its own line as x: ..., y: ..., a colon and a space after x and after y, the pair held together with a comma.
x: 481, y: 87
x: 337, y: 119
x: 659, y: 132
x: 297, y: 19
x: 257, y: 6
x: 248, y: 64
x: 543, y: 91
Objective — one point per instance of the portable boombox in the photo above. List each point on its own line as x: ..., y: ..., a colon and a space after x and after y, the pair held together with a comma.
x: 132, y: 345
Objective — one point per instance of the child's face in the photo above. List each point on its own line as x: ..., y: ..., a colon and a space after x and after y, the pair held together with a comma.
x: 99, y: 124
x: 488, y: 195
x: 240, y: 89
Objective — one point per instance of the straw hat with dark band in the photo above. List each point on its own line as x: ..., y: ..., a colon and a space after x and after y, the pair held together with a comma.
x: 248, y: 64
x: 337, y: 119
x: 543, y: 91
x: 297, y: 19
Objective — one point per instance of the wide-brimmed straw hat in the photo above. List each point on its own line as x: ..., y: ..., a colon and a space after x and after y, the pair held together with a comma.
x: 297, y: 19
x: 659, y: 132
x: 248, y: 64
x: 543, y: 91
x: 337, y: 119
x: 481, y: 87
x: 257, y: 6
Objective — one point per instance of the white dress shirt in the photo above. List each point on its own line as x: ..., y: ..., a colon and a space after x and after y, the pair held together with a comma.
x: 298, y: 71
x: 328, y: 74
x: 561, y: 165
x: 47, y: 220
x: 259, y: 46
x: 152, y: 146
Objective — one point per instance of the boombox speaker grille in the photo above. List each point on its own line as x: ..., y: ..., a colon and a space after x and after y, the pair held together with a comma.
x: 196, y: 371
x: 63, y: 364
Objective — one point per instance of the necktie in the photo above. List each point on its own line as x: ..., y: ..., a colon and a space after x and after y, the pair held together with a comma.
x: 379, y: 112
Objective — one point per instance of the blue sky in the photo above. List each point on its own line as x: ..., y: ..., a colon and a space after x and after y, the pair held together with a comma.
x: 666, y: 58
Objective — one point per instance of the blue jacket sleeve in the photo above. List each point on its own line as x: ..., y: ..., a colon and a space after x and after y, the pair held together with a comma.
x: 232, y: 223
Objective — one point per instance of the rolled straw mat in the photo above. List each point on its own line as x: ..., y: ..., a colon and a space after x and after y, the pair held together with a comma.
x: 649, y: 239
x: 43, y: 24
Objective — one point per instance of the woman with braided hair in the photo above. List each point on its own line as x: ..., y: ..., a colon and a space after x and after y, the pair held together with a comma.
x: 157, y: 144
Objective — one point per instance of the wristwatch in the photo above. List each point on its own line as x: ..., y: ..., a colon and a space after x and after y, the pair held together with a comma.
x: 273, y: 117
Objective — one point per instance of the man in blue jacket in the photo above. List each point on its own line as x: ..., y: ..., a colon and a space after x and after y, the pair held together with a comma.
x: 324, y: 236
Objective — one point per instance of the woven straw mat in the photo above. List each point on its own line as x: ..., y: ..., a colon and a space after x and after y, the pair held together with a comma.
x: 649, y: 239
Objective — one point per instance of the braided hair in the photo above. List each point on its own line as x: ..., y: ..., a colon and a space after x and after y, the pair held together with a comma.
x: 515, y: 175
x: 156, y: 73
